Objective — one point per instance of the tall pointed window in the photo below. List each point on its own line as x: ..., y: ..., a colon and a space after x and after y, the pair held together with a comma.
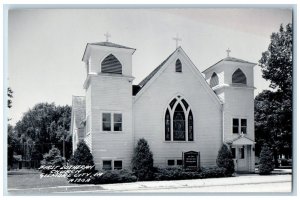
x: 214, y: 80
x: 167, y: 126
x: 179, y: 121
x: 178, y: 66
x: 190, y: 127
x: 238, y: 77
x: 179, y: 124
x: 111, y: 65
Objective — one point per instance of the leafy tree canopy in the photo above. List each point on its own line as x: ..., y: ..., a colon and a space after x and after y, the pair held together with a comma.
x: 273, y: 109
x: 277, y: 62
x: 43, y: 126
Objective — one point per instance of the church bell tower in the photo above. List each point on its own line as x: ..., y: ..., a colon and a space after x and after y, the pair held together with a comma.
x: 108, y: 87
x: 232, y: 81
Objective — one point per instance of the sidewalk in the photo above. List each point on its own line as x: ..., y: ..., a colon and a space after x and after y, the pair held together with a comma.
x: 157, y: 186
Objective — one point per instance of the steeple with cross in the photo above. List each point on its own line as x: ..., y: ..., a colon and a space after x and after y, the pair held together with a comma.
x: 107, y: 35
x: 228, y: 52
x: 176, y: 39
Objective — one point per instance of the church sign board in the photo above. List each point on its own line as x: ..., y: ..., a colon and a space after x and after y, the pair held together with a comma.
x: 191, y: 160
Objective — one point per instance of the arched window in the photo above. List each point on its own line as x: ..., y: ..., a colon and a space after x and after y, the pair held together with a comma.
x: 214, y: 80
x: 190, y: 127
x: 167, y: 126
x: 239, y: 77
x: 111, y: 65
x: 178, y: 66
x: 179, y: 121
x: 179, y: 124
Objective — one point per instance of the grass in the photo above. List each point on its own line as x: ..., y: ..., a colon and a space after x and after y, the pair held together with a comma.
x: 24, y: 179
x: 28, y: 182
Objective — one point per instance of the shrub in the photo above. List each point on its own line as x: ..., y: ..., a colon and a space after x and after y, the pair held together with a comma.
x: 53, y: 158
x: 225, y: 160
x: 142, y: 162
x: 265, y: 161
x: 179, y: 174
x: 115, y: 176
x: 82, y: 155
x: 213, y: 172
x: 173, y: 173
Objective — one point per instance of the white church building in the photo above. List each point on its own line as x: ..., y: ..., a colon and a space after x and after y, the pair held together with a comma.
x: 176, y: 108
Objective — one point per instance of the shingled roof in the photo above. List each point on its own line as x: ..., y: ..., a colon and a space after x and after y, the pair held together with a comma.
x: 147, y: 79
x: 232, y: 59
x: 78, y: 110
x: 106, y: 44
x: 110, y: 44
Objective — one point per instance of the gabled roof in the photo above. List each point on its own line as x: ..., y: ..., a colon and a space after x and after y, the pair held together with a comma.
x: 145, y: 83
x: 232, y: 59
x: 78, y: 111
x: 106, y: 44
x: 145, y: 80
x: 110, y: 44
x: 242, y: 139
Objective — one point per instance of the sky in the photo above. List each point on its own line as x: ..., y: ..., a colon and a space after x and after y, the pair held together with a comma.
x: 45, y: 46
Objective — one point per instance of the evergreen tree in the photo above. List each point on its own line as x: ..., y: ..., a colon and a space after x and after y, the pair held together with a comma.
x: 53, y: 158
x: 142, y: 161
x: 82, y: 155
x: 265, y: 161
x: 225, y: 160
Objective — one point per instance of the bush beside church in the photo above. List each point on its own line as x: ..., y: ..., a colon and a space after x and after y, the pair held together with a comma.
x: 143, y: 169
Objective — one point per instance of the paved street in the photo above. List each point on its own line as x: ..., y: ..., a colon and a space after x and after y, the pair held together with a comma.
x: 242, y: 183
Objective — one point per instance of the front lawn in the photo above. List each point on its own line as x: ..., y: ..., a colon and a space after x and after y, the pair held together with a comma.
x: 31, y: 179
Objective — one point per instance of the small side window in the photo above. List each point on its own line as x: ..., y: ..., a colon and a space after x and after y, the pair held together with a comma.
x: 179, y: 162
x: 171, y: 162
x: 106, y: 165
x: 118, y: 164
x: 117, y: 122
x: 244, y: 126
x: 106, y: 121
x: 235, y: 125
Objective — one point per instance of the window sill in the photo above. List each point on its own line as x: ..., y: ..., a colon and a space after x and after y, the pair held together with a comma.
x: 112, y: 132
x: 179, y: 141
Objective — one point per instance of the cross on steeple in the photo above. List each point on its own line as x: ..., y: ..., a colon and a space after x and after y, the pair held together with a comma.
x: 176, y: 39
x: 107, y: 35
x: 228, y: 52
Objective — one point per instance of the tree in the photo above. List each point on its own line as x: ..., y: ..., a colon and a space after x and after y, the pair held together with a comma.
x: 273, y: 109
x: 225, y: 160
x: 43, y: 126
x: 82, y: 155
x: 265, y: 161
x: 53, y: 158
x: 142, y: 161
x: 277, y: 62
x: 12, y: 145
x: 10, y: 96
x: 270, y: 122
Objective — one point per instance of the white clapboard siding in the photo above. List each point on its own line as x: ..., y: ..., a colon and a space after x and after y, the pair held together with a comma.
x: 149, y: 112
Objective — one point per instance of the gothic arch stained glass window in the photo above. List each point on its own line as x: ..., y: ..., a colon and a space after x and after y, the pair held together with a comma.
x: 111, y: 65
x: 238, y: 77
x: 167, y: 126
x: 179, y: 121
